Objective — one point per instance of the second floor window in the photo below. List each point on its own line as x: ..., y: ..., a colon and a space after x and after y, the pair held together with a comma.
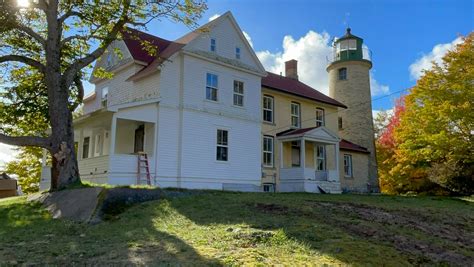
x: 238, y: 93
x: 213, y: 45
x: 339, y: 122
x: 295, y: 115
x: 237, y: 52
x: 342, y: 74
x: 211, y: 87
x: 319, y: 117
x: 267, y: 108
x: 222, y: 145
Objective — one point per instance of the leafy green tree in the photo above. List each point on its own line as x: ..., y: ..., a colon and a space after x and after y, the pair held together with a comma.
x: 27, y: 167
x: 45, y: 48
x: 435, y: 135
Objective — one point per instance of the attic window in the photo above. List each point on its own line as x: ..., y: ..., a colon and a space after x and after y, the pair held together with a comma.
x: 237, y: 52
x: 109, y: 60
x: 213, y: 45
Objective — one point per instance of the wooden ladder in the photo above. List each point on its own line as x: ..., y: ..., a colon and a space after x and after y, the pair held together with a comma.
x: 143, y: 165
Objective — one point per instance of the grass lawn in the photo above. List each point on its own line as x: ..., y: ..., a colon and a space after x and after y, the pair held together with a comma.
x: 220, y: 228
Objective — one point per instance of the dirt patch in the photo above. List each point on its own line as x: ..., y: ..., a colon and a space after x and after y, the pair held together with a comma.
x: 271, y: 208
x: 424, y: 250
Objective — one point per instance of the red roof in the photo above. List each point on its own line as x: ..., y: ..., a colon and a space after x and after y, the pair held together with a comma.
x: 295, y: 131
x: 295, y: 87
x: 346, y: 145
x: 134, y: 40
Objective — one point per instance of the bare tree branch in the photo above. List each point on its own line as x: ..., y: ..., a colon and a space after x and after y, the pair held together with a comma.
x: 25, y: 140
x: 31, y: 33
x: 25, y: 60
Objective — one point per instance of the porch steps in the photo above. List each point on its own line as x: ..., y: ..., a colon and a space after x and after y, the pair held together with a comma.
x: 143, y: 165
x: 329, y: 187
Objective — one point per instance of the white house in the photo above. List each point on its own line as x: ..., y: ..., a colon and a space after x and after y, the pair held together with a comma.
x: 194, y: 110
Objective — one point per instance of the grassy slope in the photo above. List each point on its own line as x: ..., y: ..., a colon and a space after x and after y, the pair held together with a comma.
x: 217, y: 228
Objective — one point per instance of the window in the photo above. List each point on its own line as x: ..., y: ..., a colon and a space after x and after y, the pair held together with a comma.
x: 238, y: 93
x: 344, y: 45
x: 85, y: 147
x: 109, y: 60
x: 105, y: 94
x: 347, y: 165
x: 268, y: 151
x: 320, y: 158
x: 237, y: 52
x: 352, y: 44
x: 98, y: 144
x: 339, y: 122
x: 342, y: 74
x: 211, y: 87
x: 295, y: 154
x: 222, y: 145
x: 319, y: 117
x: 268, y: 188
x: 267, y: 108
x: 295, y: 115
x: 213, y: 45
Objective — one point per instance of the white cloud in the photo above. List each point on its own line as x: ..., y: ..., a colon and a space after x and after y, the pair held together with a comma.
x: 376, y: 88
x: 375, y: 112
x: 213, y: 17
x: 311, y: 51
x: 436, y: 55
x: 247, y: 36
x: 7, y: 153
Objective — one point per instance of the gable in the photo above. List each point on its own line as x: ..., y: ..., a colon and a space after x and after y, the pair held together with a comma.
x: 228, y: 36
x: 110, y: 59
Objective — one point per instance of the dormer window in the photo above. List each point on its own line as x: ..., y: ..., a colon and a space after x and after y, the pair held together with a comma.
x: 105, y: 94
x: 213, y: 45
x: 237, y: 52
x: 342, y: 74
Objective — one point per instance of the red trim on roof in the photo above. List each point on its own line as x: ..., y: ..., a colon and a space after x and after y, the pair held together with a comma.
x: 134, y: 40
x: 295, y: 87
x: 346, y: 145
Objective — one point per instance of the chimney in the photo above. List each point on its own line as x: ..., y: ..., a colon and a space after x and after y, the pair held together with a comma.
x: 291, y: 69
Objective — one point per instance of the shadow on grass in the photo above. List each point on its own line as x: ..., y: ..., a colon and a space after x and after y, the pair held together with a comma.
x: 360, y: 236
x: 30, y: 236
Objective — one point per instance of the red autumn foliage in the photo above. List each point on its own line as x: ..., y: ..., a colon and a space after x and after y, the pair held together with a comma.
x: 387, y: 137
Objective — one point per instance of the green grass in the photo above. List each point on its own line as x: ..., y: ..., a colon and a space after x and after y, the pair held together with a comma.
x: 219, y: 228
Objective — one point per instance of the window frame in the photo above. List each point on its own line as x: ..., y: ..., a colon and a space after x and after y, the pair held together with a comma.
x: 321, y: 157
x: 297, y: 116
x: 271, y: 152
x: 340, y: 126
x: 224, y: 145
x: 86, y: 152
x: 320, y: 117
x: 210, y: 87
x: 238, y: 94
x: 238, y: 52
x: 342, y: 74
x: 213, y: 45
x: 271, y: 109
x: 348, y: 164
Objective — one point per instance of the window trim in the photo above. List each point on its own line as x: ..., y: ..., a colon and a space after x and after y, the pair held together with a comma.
x: 322, y: 120
x: 222, y: 145
x: 339, y: 74
x: 213, y: 47
x: 272, y: 152
x: 350, y: 166
x: 212, y: 87
x: 272, y: 109
x: 238, y: 52
x: 238, y: 94
x: 298, y: 116
x: 83, y: 156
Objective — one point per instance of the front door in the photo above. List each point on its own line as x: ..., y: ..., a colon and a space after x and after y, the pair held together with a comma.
x: 139, y: 139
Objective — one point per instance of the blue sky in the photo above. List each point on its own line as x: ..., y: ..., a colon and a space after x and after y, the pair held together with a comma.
x: 397, y: 32
x: 400, y: 34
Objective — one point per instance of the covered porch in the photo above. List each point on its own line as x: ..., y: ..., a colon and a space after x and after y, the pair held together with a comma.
x: 309, y: 160
x: 108, y: 143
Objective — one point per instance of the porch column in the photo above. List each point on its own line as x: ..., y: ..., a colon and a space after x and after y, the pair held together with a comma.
x: 113, y: 131
x: 45, y: 155
x: 281, y: 155
x: 79, y: 144
x: 336, y: 155
x: 302, y: 152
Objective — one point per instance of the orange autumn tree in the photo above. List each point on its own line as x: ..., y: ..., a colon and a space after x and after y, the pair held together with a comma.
x: 428, y: 145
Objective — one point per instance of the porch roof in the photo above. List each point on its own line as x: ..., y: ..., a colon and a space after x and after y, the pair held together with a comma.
x: 346, y: 145
x: 317, y: 133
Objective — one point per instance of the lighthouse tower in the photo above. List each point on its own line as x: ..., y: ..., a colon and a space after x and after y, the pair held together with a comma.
x: 349, y: 83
